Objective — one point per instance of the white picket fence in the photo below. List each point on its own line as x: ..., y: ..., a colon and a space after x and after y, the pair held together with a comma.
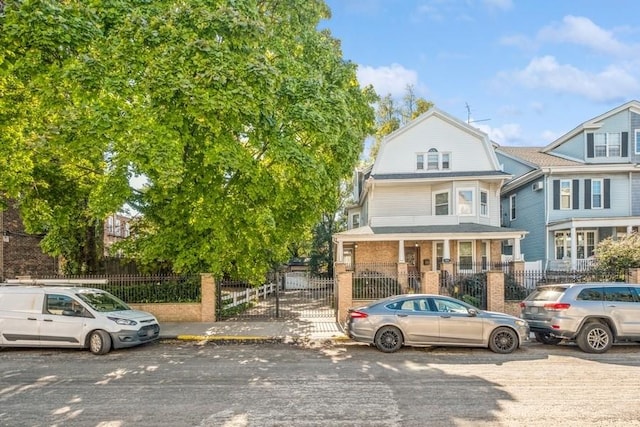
x: 234, y: 299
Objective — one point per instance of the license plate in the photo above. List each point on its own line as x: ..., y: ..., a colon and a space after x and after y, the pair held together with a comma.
x: 533, y: 309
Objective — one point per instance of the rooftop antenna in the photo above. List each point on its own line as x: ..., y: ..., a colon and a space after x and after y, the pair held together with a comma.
x: 469, y: 121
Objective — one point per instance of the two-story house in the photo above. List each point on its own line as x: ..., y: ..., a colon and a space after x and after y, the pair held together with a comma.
x: 581, y: 188
x: 431, y: 197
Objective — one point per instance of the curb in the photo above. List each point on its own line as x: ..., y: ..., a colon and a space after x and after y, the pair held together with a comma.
x: 237, y: 339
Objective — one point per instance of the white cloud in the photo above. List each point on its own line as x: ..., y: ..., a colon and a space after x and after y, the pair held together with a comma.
x: 507, y: 134
x: 611, y: 84
x: 584, y: 32
x: 549, y: 136
x: 391, y: 79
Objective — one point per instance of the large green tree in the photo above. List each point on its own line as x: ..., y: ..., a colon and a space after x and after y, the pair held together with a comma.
x: 242, y: 115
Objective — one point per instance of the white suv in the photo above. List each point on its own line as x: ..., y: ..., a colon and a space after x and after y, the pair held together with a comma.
x: 593, y: 314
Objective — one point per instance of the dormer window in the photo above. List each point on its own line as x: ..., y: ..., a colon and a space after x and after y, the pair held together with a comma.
x: 607, y: 144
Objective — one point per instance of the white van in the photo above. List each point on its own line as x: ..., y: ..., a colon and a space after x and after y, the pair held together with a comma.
x: 68, y: 316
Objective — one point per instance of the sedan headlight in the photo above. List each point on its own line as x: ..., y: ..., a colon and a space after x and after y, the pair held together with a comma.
x: 120, y: 321
x: 521, y: 322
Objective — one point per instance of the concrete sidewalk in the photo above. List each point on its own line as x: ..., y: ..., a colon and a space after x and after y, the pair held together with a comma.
x: 289, y: 330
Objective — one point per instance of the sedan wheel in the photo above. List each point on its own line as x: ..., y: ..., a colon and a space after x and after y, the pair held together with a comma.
x: 388, y: 339
x: 503, y: 340
x: 595, y: 338
x: 99, y: 342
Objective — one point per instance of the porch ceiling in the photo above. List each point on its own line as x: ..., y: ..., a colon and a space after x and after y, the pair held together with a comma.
x: 430, y: 232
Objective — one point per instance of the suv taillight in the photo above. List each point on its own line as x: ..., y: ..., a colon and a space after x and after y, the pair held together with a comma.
x: 522, y: 304
x: 557, y: 306
x: 358, y: 314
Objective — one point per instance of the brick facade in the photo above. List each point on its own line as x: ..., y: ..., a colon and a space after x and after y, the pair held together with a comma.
x: 20, y: 253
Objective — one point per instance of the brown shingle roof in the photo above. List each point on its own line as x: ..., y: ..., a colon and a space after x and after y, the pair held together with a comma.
x: 535, y: 156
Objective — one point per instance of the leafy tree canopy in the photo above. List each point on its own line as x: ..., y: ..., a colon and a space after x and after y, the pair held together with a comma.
x: 242, y: 115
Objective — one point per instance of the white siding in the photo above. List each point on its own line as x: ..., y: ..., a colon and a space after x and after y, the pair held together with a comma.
x: 468, y: 151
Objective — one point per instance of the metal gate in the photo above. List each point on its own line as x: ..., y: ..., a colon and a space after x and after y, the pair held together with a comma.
x: 293, y: 295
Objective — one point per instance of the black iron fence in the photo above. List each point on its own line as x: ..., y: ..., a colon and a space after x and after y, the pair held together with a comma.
x: 135, y: 288
x: 468, y: 287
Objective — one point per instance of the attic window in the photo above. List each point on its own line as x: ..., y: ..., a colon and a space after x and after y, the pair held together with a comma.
x: 433, y: 159
x: 420, y: 162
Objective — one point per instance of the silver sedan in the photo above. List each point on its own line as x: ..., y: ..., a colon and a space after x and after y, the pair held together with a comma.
x: 434, y: 320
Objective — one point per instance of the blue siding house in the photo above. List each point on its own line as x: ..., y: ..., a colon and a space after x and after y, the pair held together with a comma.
x: 580, y: 189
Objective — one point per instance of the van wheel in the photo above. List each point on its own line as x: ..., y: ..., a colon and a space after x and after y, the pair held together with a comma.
x: 99, y: 342
x: 595, y: 337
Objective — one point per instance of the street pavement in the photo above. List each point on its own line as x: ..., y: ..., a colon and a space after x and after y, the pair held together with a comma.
x: 289, y: 330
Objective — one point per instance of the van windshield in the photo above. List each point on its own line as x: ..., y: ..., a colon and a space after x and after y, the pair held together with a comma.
x: 102, y: 301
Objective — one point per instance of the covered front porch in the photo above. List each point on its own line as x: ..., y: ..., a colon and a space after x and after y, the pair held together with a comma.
x: 572, y: 243
x: 465, y: 248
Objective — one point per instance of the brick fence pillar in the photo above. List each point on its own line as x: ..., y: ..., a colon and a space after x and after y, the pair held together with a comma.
x: 403, y: 277
x: 430, y: 283
x: 634, y: 275
x: 208, y: 300
x: 517, y: 267
x: 495, y: 291
x: 345, y: 294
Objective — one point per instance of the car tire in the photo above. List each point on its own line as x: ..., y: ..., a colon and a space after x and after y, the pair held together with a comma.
x: 595, y: 337
x: 503, y: 340
x: 99, y: 342
x: 388, y: 339
x: 546, y: 338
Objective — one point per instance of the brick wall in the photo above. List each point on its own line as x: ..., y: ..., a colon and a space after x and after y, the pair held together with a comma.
x: 376, y: 252
x: 21, y: 254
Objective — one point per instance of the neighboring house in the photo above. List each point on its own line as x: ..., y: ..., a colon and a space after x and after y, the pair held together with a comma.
x: 580, y: 189
x: 117, y: 227
x: 20, y: 252
x: 431, y: 199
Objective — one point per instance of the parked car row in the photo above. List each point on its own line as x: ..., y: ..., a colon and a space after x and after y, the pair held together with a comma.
x: 594, y: 315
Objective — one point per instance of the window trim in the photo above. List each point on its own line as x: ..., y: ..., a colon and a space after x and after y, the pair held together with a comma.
x: 637, y: 141
x: 513, y: 206
x: 486, y: 203
x: 472, y: 203
x: 570, y: 204
x: 601, y: 194
x: 435, y: 205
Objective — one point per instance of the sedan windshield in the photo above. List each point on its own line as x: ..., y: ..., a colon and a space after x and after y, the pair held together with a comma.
x: 102, y: 301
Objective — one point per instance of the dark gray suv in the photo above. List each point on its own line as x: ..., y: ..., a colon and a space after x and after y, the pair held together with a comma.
x: 595, y: 315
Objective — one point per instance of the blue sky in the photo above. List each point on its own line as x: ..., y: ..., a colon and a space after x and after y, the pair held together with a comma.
x: 529, y: 71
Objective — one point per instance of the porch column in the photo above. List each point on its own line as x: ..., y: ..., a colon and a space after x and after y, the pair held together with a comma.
x: 446, y: 250
x: 400, y: 251
x: 340, y: 251
x: 517, y: 256
x: 574, y: 248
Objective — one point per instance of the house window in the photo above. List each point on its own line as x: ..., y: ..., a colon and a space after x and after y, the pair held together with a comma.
x: 355, y: 221
x: 596, y: 194
x: 512, y: 207
x: 433, y: 159
x: 585, y: 244
x: 465, y: 202
x: 565, y: 194
x: 465, y: 255
x: 420, y: 162
x: 446, y: 161
x: 110, y: 225
x: 439, y: 254
x: 484, y: 207
x: 607, y: 144
x: 441, y: 203
x: 637, y: 142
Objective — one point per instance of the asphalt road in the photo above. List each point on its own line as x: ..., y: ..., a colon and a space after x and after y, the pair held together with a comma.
x: 188, y: 384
